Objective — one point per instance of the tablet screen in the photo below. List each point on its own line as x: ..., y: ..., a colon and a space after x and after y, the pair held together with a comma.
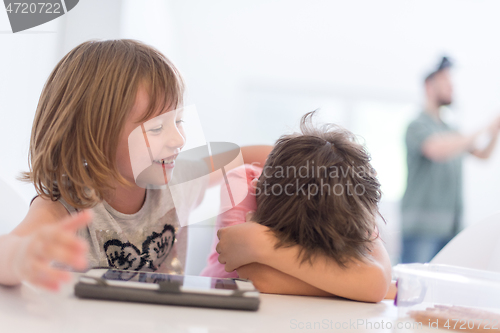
x: 186, y: 281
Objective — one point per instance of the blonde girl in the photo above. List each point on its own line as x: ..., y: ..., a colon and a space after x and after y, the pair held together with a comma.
x: 89, y: 210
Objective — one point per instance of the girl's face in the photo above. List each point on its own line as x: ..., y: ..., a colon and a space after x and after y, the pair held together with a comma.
x: 146, y: 152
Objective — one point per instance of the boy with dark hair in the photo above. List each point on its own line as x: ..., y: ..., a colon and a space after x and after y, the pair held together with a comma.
x: 317, y: 193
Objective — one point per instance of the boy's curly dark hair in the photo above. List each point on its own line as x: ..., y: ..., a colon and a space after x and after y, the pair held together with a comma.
x: 329, y: 193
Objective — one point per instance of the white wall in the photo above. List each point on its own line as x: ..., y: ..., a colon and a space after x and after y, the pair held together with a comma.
x: 26, y: 60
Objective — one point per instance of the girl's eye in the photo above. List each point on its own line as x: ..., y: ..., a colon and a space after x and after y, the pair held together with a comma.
x: 156, y: 130
x: 180, y: 121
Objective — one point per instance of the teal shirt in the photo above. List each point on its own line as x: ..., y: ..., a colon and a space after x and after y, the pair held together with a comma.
x: 432, y: 203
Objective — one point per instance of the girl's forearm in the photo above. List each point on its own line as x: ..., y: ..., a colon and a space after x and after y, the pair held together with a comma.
x: 364, y: 281
x: 256, y: 155
x: 9, y: 244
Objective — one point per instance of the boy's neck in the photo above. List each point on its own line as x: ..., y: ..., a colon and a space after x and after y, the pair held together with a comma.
x: 127, y: 200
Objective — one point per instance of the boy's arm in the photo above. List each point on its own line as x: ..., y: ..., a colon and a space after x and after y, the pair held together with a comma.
x: 392, y: 292
x: 366, y: 280
x: 255, y: 155
x: 271, y: 281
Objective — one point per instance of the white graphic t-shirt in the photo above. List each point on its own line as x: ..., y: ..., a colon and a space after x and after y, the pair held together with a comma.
x: 153, y: 239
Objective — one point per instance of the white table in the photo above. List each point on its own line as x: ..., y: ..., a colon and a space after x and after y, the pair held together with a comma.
x: 26, y: 309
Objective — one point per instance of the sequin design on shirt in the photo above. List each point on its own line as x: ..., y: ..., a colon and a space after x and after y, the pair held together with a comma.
x: 155, y: 249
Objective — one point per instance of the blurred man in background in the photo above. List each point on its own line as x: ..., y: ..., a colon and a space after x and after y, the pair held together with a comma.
x: 432, y: 203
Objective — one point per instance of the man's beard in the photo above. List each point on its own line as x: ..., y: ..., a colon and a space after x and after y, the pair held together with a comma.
x: 444, y: 101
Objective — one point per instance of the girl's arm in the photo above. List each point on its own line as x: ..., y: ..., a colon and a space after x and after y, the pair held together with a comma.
x: 46, y: 234
x: 254, y: 155
x: 366, y: 280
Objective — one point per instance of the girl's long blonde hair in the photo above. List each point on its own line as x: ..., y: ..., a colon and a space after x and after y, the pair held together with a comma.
x: 82, y: 111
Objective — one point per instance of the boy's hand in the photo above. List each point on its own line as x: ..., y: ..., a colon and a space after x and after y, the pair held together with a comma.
x: 52, y: 243
x: 243, y: 244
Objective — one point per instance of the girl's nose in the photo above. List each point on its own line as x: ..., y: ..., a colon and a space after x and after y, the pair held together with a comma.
x: 175, y: 139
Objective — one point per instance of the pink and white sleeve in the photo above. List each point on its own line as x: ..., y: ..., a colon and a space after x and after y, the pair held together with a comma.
x: 239, y: 178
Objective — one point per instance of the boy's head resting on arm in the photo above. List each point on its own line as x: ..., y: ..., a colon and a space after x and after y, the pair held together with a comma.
x: 319, y: 190
x: 84, y: 109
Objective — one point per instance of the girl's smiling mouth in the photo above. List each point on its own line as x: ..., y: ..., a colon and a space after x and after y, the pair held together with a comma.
x: 168, y: 162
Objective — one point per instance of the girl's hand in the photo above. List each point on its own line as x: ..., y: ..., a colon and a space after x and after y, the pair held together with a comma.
x: 243, y: 244
x: 52, y: 243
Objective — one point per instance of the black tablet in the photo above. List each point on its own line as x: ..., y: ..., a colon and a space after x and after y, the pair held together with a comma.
x: 150, y: 287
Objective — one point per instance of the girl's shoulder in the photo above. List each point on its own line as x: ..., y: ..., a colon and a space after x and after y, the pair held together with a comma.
x: 44, y: 206
x: 42, y: 212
